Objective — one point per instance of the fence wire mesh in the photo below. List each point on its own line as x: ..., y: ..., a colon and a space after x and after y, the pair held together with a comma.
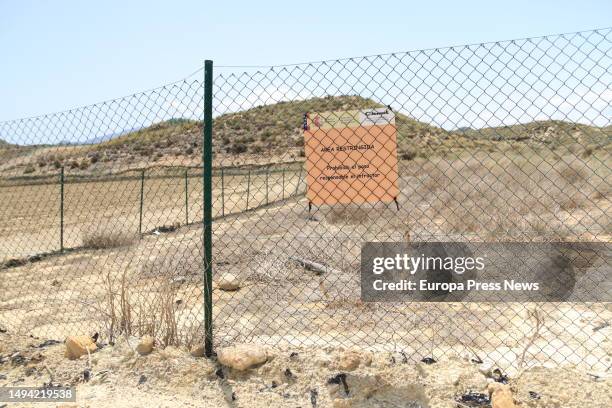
x: 101, y: 210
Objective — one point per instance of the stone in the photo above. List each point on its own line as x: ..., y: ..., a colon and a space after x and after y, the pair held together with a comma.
x: 342, y: 403
x: 228, y: 282
x: 77, y: 346
x: 145, y: 346
x: 501, y: 395
x: 198, y: 351
x: 242, y: 356
x: 348, y: 361
x: 486, y: 368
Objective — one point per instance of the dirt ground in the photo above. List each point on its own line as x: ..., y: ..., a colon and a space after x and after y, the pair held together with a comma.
x: 300, y: 377
x: 154, y: 286
x: 281, y: 304
x: 30, y: 214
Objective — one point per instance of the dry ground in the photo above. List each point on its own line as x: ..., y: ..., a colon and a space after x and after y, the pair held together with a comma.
x: 30, y: 215
x: 153, y: 285
x: 297, y: 377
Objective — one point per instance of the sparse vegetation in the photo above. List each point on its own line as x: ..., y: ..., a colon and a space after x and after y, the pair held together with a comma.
x: 127, y: 312
x: 510, y: 196
x: 265, y: 132
x: 352, y: 215
x: 107, y: 239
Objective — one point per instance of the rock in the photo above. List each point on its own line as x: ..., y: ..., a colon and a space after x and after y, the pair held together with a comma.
x: 486, y: 369
x: 348, y: 361
x: 146, y: 345
x: 501, y: 395
x: 198, y: 351
x: 342, y: 403
x: 367, y: 358
x: 228, y: 282
x: 242, y: 356
x: 171, y: 352
x: 77, y: 346
x: 358, y: 390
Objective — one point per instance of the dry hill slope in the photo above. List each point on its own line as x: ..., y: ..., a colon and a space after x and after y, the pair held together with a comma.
x: 273, y: 133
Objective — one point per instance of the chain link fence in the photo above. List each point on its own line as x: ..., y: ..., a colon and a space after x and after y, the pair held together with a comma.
x: 102, y: 206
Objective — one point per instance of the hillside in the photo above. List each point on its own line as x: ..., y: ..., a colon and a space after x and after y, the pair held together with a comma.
x: 273, y: 133
x: 550, y: 131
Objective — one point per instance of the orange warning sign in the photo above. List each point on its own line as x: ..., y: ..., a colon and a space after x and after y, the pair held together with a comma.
x: 351, y: 156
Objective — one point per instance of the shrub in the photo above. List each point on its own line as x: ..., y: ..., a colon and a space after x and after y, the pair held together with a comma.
x: 102, y: 240
x: 238, y: 148
x: 94, y: 158
x: 408, y: 153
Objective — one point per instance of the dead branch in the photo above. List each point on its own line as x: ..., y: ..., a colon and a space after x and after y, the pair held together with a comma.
x: 315, y: 267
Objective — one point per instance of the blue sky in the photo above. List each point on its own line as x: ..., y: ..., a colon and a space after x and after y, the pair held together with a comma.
x: 61, y: 54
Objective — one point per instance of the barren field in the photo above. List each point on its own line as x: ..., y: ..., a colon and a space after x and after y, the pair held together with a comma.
x: 153, y: 285
x: 30, y: 214
x: 280, y: 302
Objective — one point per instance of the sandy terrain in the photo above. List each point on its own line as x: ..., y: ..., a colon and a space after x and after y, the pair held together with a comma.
x: 30, y: 214
x: 154, y: 285
x: 299, y: 377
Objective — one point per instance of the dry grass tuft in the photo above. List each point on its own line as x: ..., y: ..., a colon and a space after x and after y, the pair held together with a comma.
x: 108, y: 239
x: 348, y: 215
x: 129, y: 313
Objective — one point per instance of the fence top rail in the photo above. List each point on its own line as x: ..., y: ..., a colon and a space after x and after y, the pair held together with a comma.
x: 420, y: 50
x: 136, y: 174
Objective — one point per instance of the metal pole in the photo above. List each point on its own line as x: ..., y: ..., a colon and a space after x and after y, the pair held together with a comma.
x: 142, y: 178
x: 222, y: 194
x: 248, y: 189
x: 267, y: 183
x: 186, y: 199
x: 62, y: 209
x: 297, y: 186
x: 207, y: 196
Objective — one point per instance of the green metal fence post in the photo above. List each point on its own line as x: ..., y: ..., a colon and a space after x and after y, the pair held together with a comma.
x: 186, y: 199
x: 248, y: 189
x: 207, y: 201
x: 62, y: 209
x: 222, y: 193
x: 142, y: 178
